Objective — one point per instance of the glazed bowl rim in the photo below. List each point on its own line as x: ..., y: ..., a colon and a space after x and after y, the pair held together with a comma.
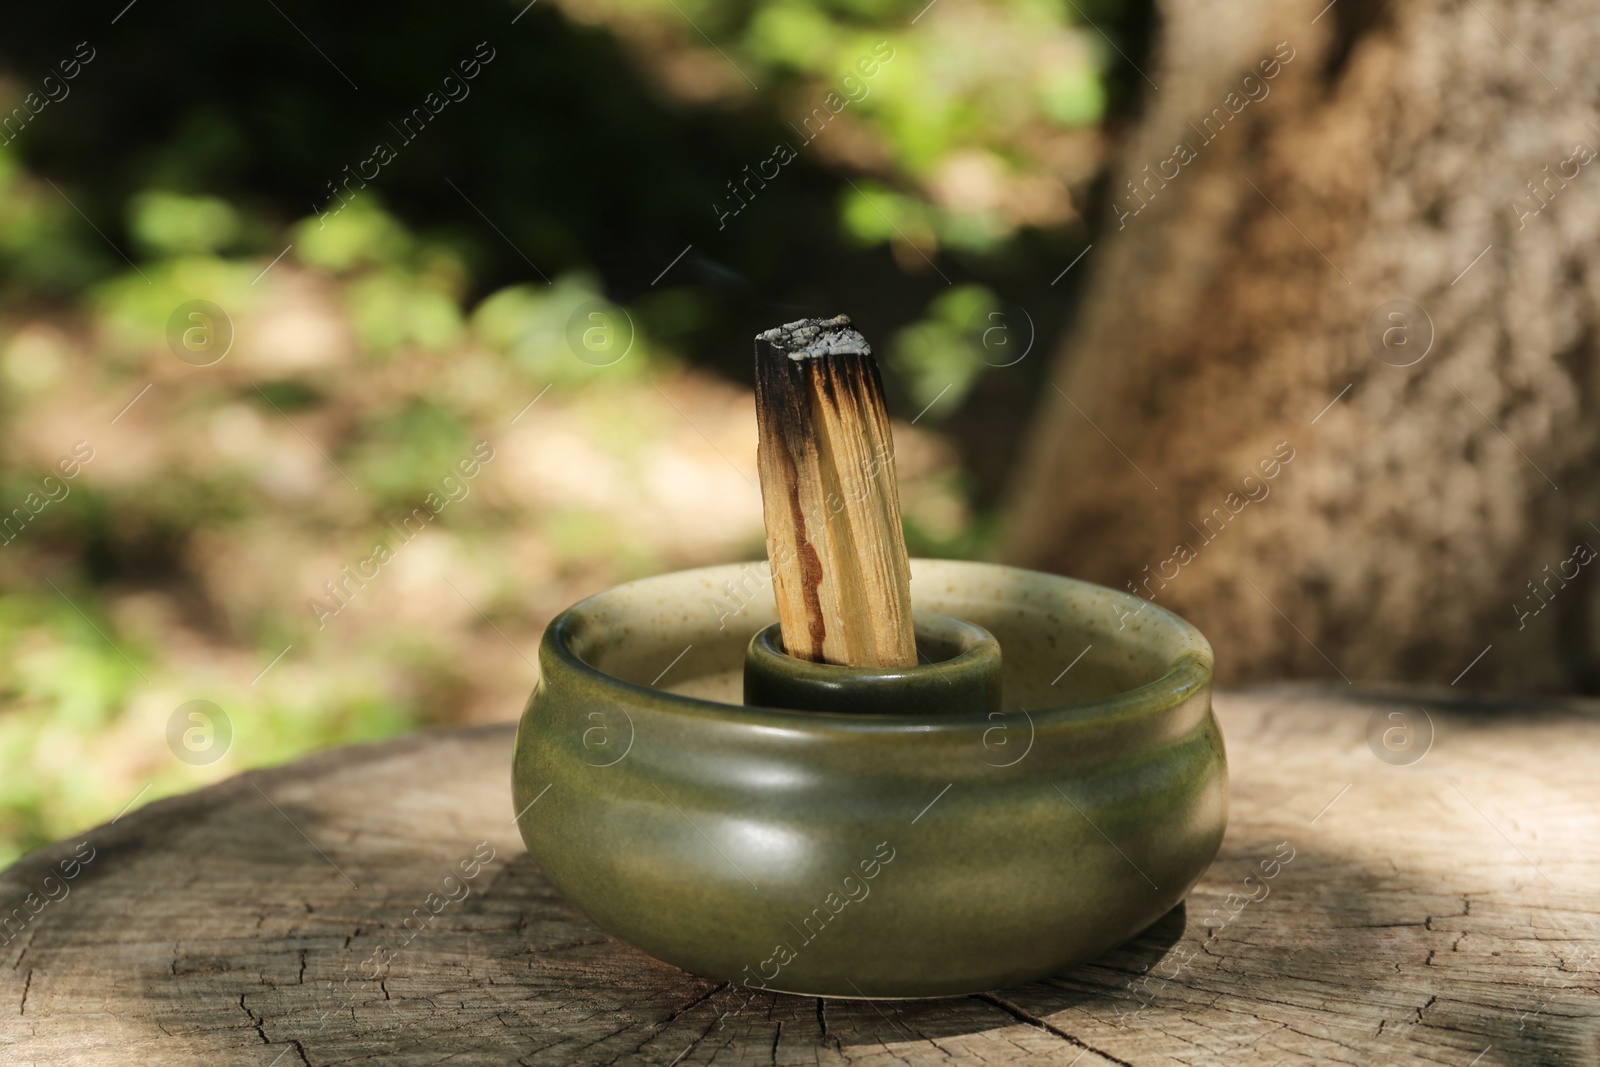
x: 1189, y: 673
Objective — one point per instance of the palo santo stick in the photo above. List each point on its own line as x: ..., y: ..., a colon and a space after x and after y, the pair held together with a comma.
x: 838, y: 556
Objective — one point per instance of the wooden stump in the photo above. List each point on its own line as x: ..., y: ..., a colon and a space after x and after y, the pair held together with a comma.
x: 1441, y: 912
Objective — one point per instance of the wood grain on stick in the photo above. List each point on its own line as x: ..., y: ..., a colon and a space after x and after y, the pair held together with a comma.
x: 839, y: 566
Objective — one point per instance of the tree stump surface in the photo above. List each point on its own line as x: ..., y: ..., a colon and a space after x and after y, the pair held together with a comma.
x: 1441, y: 912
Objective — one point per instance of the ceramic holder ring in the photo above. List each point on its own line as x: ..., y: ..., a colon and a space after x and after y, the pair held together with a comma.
x: 959, y: 670
x: 862, y: 854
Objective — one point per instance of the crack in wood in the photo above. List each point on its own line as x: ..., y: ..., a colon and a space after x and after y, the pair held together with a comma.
x: 258, y: 1021
x: 1021, y: 1014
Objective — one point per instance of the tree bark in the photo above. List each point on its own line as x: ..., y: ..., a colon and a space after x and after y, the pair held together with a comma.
x: 1390, y: 158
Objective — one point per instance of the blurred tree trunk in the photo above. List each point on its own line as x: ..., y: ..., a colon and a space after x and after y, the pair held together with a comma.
x: 1390, y: 158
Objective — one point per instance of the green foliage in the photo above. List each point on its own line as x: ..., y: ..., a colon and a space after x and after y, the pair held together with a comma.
x: 134, y: 307
x: 360, y: 235
x: 171, y: 224
x: 392, y: 310
x: 941, y: 356
x: 874, y: 214
x: 928, y: 89
x: 39, y: 235
x: 564, y: 332
x: 71, y: 738
x: 1073, y: 96
x: 402, y: 454
x: 792, y: 35
x: 405, y: 292
x: 987, y: 78
x: 61, y: 689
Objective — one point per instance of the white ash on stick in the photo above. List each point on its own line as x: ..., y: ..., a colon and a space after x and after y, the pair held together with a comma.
x: 840, y: 571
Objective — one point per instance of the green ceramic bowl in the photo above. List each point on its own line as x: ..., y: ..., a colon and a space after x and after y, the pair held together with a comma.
x: 872, y: 855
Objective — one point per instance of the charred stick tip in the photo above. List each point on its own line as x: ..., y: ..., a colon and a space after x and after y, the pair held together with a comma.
x: 810, y: 338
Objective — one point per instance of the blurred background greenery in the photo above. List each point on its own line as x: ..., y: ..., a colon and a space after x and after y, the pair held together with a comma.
x: 602, y: 183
